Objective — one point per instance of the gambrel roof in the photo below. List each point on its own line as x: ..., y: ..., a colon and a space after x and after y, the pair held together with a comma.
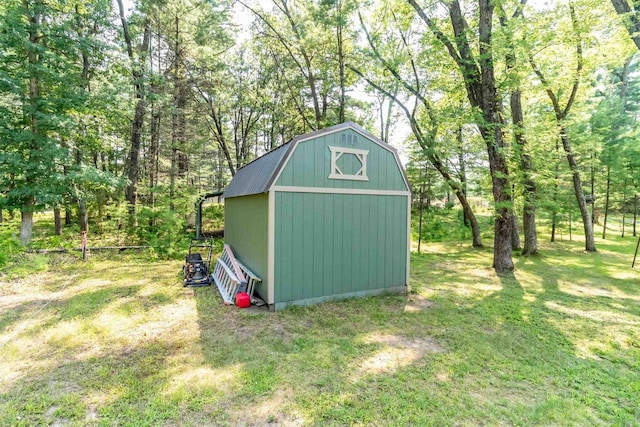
x: 260, y: 175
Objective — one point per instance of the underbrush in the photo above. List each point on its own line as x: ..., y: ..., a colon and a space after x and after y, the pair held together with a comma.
x: 440, y: 224
x: 9, y: 245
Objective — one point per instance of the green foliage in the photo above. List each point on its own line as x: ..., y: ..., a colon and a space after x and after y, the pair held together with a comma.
x: 9, y: 245
x: 164, y: 230
x: 213, y: 217
x: 14, y: 261
x: 26, y: 264
x: 441, y: 224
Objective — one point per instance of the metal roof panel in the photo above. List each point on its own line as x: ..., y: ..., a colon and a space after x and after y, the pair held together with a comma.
x: 255, y: 177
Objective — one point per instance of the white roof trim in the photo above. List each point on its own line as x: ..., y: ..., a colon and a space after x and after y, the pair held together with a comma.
x: 331, y: 190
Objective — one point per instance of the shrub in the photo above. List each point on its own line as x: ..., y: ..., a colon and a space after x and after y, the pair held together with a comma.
x: 9, y: 245
x: 164, y: 230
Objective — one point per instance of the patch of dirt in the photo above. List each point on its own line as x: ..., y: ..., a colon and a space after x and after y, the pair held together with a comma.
x: 396, y: 352
x: 422, y: 345
x: 92, y: 414
x: 417, y: 303
x: 442, y: 377
x: 272, y: 412
x: 52, y: 410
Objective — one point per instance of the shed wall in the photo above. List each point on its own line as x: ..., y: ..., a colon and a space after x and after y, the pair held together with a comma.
x: 338, y: 244
x: 245, y: 230
x: 309, y: 164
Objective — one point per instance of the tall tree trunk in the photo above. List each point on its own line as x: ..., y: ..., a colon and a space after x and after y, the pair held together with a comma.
x: 561, y: 116
x: 137, y: 70
x: 68, y: 216
x: 554, y: 214
x: 529, y: 185
x: 1, y: 218
x: 590, y: 244
x: 341, y: 68
x: 57, y: 221
x: 34, y: 15
x: 154, y: 148
x: 635, y: 213
x: 172, y: 173
x: 479, y: 79
x: 26, y: 225
x: 491, y: 130
x: 515, y: 234
x: 517, y: 117
x: 624, y: 205
x: 83, y: 216
x: 606, y: 203
x: 592, y: 201
x: 556, y: 188
x: 420, y: 208
x: 133, y: 160
x: 179, y: 122
x: 463, y: 171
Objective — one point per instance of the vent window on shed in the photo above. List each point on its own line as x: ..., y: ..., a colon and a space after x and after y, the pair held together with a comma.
x: 353, y: 165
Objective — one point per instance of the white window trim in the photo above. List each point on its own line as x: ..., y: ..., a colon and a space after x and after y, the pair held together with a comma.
x: 336, y: 173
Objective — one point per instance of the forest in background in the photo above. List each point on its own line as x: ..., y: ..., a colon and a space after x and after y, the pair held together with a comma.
x: 115, y: 114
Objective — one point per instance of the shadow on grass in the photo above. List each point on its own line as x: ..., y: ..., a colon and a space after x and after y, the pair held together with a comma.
x: 499, y: 352
x: 480, y: 349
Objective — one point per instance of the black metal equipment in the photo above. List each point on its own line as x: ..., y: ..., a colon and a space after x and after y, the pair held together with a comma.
x: 201, y: 200
x: 197, y: 263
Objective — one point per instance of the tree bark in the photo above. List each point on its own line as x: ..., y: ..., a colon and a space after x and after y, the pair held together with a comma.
x: 462, y: 170
x: 420, y: 208
x: 480, y: 85
x: 606, y: 203
x: 526, y: 165
x: 341, y: 68
x: 154, y: 151
x: 491, y: 130
x: 529, y: 185
x: 137, y: 71
x: 26, y: 226
x: 556, y: 188
x: 515, y: 235
x: 592, y: 201
x: 68, y: 217
x: 83, y: 217
x: 635, y: 213
x: 35, y: 62
x: 590, y: 245
x: 57, y: 221
x: 624, y: 205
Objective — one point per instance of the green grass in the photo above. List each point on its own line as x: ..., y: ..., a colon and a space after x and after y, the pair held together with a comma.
x: 116, y: 340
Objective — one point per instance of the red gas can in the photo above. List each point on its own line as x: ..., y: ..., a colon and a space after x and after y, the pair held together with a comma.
x: 243, y: 300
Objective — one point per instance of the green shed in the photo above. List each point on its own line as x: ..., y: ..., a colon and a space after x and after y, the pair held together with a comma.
x: 324, y: 216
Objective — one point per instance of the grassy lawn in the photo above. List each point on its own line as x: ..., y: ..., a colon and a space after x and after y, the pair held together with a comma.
x: 116, y: 340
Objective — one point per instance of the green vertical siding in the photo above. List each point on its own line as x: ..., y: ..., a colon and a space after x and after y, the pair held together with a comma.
x: 246, y: 231
x: 310, y: 164
x: 333, y: 244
